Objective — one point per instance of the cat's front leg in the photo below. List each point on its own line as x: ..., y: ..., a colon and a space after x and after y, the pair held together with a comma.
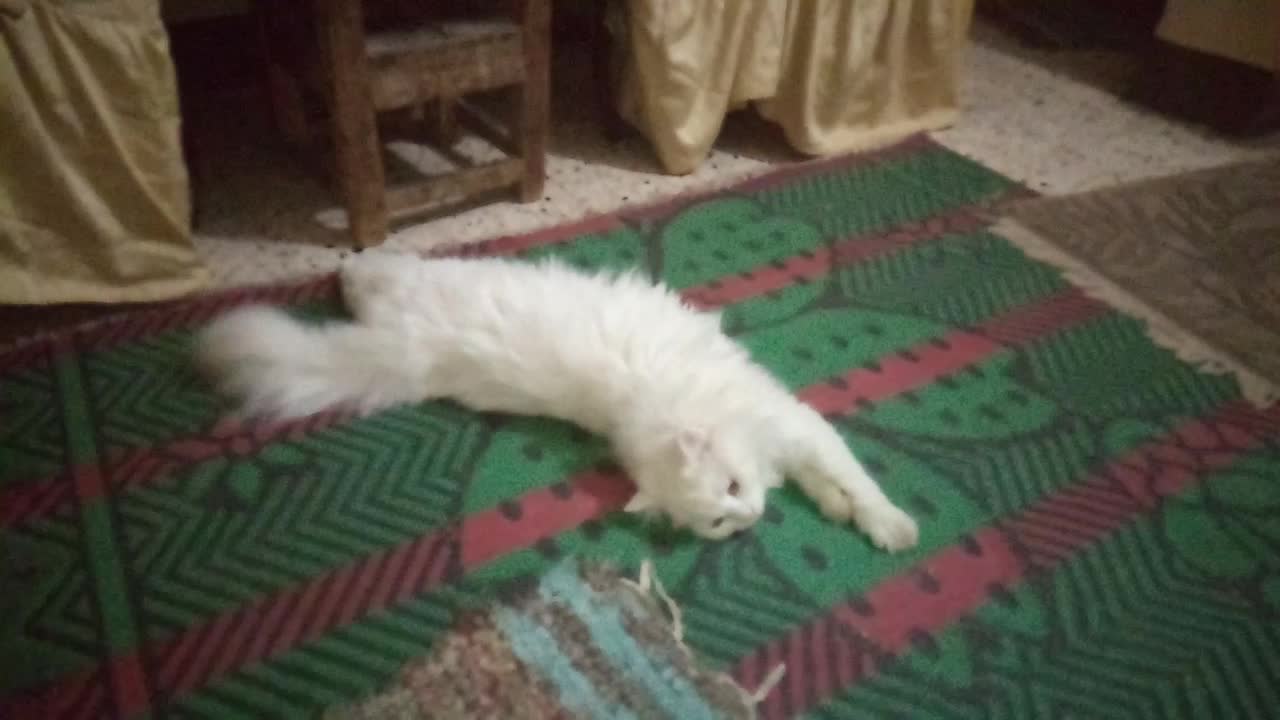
x: 816, y: 457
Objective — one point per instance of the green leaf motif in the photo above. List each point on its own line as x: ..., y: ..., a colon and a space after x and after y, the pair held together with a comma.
x: 728, y: 237
x: 1205, y: 543
x: 1229, y: 526
x: 539, y: 451
x: 825, y: 343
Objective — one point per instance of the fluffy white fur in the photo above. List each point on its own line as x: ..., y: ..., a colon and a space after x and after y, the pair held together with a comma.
x: 702, y: 430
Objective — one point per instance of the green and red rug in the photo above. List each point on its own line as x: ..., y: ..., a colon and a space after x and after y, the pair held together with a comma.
x: 1100, y: 523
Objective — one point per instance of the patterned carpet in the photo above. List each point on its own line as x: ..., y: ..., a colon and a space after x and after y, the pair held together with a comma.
x: 1100, y: 522
x: 1197, y: 255
x: 583, y: 642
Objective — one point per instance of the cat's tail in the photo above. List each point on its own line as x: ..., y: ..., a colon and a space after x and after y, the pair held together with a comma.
x: 278, y: 367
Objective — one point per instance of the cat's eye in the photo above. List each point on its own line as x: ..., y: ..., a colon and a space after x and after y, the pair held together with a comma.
x: 717, y: 522
x: 734, y: 488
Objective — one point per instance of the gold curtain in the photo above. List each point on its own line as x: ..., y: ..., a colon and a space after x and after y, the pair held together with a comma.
x: 1246, y: 31
x: 836, y: 75
x: 94, y: 203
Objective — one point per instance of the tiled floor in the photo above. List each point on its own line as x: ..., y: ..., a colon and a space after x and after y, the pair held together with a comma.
x: 1044, y: 118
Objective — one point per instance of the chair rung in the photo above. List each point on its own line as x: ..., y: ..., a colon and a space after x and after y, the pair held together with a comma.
x: 412, y: 67
x: 415, y: 197
x: 436, y: 36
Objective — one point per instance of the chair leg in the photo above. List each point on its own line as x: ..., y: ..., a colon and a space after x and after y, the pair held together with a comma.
x: 355, y: 130
x: 532, y: 126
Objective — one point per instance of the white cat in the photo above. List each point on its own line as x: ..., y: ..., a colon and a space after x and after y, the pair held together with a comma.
x: 702, y: 431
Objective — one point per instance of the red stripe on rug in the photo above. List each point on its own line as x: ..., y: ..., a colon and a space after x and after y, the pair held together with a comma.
x: 251, y: 633
x: 820, y: 262
x: 953, y: 582
x: 937, y: 358
x: 1032, y: 320
x: 908, y: 370
x: 84, y: 696
x: 32, y: 354
x: 89, y: 484
x: 897, y: 374
x: 29, y: 500
x: 518, y: 524
x: 203, y: 653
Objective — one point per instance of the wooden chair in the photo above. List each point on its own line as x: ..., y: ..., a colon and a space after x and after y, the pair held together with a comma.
x: 364, y: 69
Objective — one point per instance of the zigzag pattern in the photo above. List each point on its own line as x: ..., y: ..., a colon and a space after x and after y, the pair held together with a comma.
x: 1155, y: 643
x: 1010, y: 475
x: 902, y: 611
x: 145, y: 393
x: 1127, y: 374
x: 1053, y: 530
x: 350, y: 662
x: 85, y: 697
x: 31, y: 435
x: 732, y: 582
x: 231, y: 656
x: 142, y: 464
x: 948, y: 269
x: 65, y: 616
x: 225, y: 657
x: 339, y: 539
x: 900, y: 694
x: 227, y: 440
x: 262, y: 629
x: 334, y: 496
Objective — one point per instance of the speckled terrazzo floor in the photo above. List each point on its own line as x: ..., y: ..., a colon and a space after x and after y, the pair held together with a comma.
x: 1044, y: 118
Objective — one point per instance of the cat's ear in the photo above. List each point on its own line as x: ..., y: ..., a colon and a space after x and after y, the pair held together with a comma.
x: 693, y: 444
x: 639, y: 503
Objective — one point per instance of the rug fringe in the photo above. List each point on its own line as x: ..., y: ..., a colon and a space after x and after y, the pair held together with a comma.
x: 648, y: 583
x: 1163, y: 331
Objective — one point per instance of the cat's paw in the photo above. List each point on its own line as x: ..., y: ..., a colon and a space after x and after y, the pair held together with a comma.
x: 889, y: 528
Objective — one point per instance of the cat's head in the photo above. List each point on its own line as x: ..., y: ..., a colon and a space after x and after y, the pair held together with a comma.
x: 715, y: 485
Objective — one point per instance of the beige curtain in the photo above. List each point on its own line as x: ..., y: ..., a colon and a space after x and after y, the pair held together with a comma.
x: 94, y: 202
x: 1246, y: 31
x: 836, y: 75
